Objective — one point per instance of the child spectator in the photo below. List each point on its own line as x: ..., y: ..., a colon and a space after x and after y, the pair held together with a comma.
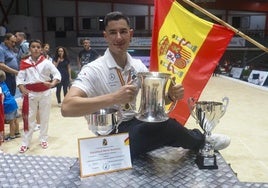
x: 10, y: 106
x: 34, y: 81
x: 2, y: 121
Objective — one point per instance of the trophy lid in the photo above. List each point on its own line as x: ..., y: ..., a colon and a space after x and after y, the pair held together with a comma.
x: 154, y: 74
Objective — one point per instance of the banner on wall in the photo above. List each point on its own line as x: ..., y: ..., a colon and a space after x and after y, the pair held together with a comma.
x: 138, y: 42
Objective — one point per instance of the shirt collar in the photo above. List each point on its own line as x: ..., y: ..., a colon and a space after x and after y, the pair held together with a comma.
x: 112, y: 64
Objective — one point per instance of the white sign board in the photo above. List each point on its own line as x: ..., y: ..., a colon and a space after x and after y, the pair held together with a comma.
x: 236, y: 72
x: 258, y: 77
x: 104, y: 154
x: 237, y: 42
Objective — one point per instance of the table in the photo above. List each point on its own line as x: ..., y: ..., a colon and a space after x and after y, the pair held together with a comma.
x: 166, y: 167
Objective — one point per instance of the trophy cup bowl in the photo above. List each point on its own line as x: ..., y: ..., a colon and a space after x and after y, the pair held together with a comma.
x: 152, y: 106
x: 104, y: 121
x: 207, y: 114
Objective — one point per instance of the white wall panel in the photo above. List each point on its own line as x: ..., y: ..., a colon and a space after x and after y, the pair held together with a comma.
x: 137, y: 10
x: 59, y: 8
x: 93, y: 9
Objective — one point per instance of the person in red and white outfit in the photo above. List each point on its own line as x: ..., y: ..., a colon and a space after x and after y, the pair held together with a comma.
x: 34, y: 81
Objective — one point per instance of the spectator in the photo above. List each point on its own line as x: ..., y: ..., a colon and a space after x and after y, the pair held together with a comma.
x: 61, y: 61
x: 9, y: 64
x: 34, y: 82
x: 8, y: 61
x: 45, y: 51
x: 23, y: 46
x: 86, y: 55
x: 3, y: 31
x: 10, y: 107
x: 2, y: 121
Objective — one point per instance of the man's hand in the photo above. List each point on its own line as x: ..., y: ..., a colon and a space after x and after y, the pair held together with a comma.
x: 125, y: 94
x: 176, y: 92
x: 23, y: 90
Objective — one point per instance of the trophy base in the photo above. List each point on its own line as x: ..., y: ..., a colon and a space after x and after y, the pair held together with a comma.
x: 206, y: 162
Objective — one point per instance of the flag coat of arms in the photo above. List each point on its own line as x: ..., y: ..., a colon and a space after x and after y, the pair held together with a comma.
x: 187, y: 47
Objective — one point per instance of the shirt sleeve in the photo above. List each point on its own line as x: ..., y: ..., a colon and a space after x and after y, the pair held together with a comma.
x: 2, y: 56
x: 20, y: 77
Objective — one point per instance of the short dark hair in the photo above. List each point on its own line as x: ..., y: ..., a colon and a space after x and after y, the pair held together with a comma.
x: 22, y: 34
x: 8, y: 36
x: 114, y: 16
x: 35, y: 40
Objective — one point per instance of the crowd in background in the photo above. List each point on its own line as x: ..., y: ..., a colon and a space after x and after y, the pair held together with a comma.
x: 17, y: 57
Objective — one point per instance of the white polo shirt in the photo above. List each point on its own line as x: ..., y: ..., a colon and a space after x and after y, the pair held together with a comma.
x: 100, y: 76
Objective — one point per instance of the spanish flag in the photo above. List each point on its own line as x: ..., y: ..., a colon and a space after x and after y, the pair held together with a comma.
x: 187, y: 47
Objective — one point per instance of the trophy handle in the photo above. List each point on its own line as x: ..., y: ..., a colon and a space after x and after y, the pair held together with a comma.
x: 191, y: 105
x: 118, y: 123
x: 173, y: 104
x: 136, y: 82
x: 224, y: 107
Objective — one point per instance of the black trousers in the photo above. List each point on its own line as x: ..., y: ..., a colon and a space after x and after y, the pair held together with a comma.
x: 11, y: 83
x: 145, y: 137
x: 63, y: 84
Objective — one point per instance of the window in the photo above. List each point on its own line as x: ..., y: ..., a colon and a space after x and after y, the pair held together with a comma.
x: 89, y: 23
x: 68, y: 24
x: 51, y: 24
x: 101, y: 23
x: 86, y: 24
x: 140, y: 22
x: 236, y: 22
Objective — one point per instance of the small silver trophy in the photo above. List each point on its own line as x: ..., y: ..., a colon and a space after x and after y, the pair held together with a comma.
x: 207, y: 114
x: 104, y: 121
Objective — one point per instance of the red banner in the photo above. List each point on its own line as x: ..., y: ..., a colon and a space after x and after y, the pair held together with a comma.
x: 187, y: 47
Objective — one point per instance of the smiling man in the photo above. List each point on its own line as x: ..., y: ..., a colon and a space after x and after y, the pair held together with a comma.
x: 106, y: 82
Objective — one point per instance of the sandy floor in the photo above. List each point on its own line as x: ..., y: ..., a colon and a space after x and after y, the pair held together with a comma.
x: 245, y: 121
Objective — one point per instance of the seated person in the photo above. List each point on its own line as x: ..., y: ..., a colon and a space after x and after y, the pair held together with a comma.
x: 105, y: 82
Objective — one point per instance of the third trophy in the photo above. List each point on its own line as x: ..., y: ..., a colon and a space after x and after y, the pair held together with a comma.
x: 207, y: 114
x: 104, y: 121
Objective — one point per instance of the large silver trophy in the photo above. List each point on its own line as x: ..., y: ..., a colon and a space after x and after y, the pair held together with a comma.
x: 152, y: 106
x: 207, y: 114
x: 104, y: 121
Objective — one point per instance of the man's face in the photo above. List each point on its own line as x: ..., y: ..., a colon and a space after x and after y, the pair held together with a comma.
x: 86, y: 44
x: 19, y: 38
x: 118, y: 36
x: 11, y: 42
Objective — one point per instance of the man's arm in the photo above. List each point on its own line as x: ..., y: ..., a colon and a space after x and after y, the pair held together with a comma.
x: 76, y: 103
x: 79, y: 63
x: 6, y: 68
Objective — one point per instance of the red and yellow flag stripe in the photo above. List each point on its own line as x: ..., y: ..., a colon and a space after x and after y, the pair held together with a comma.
x: 188, y: 47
